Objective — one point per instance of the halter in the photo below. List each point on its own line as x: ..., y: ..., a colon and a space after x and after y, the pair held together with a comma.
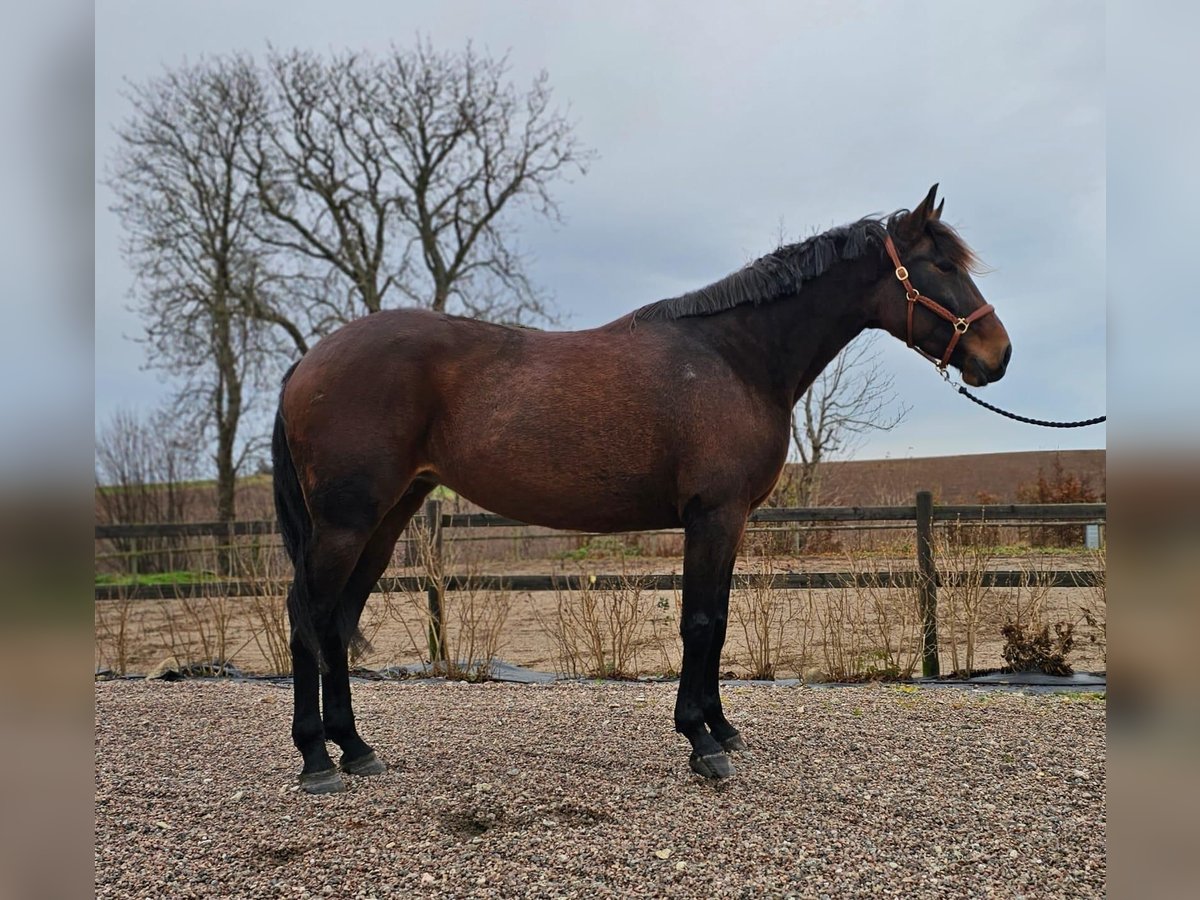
x: 913, y: 296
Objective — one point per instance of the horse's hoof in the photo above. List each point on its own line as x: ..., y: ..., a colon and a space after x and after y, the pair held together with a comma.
x: 364, y: 765
x: 327, y: 782
x: 715, y: 766
x: 734, y: 743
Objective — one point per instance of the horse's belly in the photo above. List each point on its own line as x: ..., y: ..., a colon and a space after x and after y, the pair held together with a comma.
x: 583, y: 503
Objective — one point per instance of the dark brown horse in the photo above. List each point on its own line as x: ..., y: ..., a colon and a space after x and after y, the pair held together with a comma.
x: 674, y: 415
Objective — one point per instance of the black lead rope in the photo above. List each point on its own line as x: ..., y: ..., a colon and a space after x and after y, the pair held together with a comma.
x: 962, y: 390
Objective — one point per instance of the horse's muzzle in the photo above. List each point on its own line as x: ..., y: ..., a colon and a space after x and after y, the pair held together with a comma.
x: 978, y: 373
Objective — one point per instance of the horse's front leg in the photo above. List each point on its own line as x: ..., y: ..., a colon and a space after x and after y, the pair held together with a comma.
x: 710, y: 545
x: 714, y: 714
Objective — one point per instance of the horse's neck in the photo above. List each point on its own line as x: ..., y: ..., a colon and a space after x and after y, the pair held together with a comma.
x: 783, y: 345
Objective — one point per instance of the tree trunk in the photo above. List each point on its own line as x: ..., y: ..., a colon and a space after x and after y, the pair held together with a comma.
x: 226, y: 477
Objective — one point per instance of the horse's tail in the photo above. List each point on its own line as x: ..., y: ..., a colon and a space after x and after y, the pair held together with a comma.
x: 295, y: 524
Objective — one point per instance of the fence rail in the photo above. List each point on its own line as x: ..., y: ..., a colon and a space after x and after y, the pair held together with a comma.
x: 923, y: 514
x: 1052, y: 513
x: 1000, y: 578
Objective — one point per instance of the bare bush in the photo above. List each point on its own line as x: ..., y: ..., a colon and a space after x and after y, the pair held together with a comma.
x: 768, y: 617
x: 271, y: 632
x: 1034, y: 650
x: 114, y: 633
x: 600, y: 632
x: 843, y: 635
x: 893, y: 614
x: 197, y: 628
x: 1094, y: 608
x: 870, y: 632
x: 470, y: 620
x: 1028, y: 644
x: 963, y: 599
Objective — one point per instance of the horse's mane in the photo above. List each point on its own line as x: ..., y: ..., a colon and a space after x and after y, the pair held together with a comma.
x: 782, y: 273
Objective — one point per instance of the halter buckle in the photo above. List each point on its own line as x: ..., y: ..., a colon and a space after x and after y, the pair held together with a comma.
x: 901, y: 274
x: 961, y: 325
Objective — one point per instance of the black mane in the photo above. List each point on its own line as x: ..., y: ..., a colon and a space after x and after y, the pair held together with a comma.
x: 782, y: 273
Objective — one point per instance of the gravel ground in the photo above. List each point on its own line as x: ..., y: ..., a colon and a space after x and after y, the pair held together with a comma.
x: 582, y: 790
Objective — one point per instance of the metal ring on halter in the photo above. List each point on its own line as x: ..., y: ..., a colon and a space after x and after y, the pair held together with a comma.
x: 902, y: 274
x: 961, y: 325
x: 912, y: 294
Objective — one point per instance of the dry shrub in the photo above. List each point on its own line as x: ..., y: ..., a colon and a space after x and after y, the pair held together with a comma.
x: 767, y: 616
x: 271, y: 632
x: 1094, y: 608
x: 605, y: 632
x: 409, y: 611
x: 1028, y: 644
x: 872, y: 632
x: 114, y: 632
x: 1025, y: 604
x: 1034, y: 650
x: 963, y: 601
x: 470, y: 620
x: 198, y: 627
x: 477, y: 618
x: 270, y: 629
x: 895, y: 618
x: 843, y: 624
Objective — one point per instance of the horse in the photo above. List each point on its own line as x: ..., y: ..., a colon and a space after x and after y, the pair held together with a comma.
x: 674, y: 415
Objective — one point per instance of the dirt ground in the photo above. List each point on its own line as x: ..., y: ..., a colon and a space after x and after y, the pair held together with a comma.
x: 582, y: 790
x: 803, y: 633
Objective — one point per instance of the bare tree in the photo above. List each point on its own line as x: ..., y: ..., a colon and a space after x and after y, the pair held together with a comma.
x: 329, y: 201
x: 850, y: 398
x: 265, y: 206
x: 187, y: 211
x: 142, y: 467
x: 397, y: 175
x: 147, y: 461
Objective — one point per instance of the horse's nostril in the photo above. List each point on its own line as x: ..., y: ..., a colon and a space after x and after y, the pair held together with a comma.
x: 1007, y: 356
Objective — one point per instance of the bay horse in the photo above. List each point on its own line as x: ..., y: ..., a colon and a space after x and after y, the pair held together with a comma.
x: 675, y: 415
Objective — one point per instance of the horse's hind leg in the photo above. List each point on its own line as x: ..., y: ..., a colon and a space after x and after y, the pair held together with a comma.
x: 357, y: 756
x: 330, y: 561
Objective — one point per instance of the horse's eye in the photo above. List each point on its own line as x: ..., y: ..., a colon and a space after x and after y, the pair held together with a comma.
x: 948, y: 267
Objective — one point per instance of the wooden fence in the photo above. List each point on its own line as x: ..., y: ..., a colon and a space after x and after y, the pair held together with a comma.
x: 923, y: 513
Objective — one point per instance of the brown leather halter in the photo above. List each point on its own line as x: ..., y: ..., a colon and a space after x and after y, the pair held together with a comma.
x: 913, y: 296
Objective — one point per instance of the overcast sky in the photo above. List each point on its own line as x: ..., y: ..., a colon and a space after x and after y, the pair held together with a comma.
x: 715, y: 123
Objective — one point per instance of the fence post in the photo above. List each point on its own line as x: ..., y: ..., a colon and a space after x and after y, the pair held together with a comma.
x: 435, y: 581
x: 927, y: 584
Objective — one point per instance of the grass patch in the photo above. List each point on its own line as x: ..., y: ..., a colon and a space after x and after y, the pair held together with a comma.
x: 177, y: 577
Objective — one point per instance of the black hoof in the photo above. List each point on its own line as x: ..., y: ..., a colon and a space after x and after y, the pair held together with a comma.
x: 364, y: 765
x: 734, y: 743
x: 715, y: 766
x: 327, y: 782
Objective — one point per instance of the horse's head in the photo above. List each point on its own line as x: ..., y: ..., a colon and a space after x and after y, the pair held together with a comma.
x: 929, y: 300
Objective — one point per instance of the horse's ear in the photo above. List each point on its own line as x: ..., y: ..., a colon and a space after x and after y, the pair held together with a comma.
x: 937, y: 213
x: 914, y: 223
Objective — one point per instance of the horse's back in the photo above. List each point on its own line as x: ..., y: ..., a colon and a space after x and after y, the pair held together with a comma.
x: 594, y: 430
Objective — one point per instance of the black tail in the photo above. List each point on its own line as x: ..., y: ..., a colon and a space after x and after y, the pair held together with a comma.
x: 295, y: 525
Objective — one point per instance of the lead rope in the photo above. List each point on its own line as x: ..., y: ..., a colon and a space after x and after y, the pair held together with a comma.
x: 1044, y: 423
